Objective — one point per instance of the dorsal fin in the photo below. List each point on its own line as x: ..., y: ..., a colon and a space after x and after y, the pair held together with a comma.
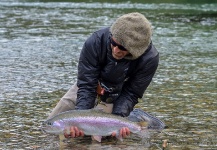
x: 98, y: 109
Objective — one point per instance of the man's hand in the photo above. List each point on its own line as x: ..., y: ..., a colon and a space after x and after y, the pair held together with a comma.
x: 74, y: 132
x: 124, y: 132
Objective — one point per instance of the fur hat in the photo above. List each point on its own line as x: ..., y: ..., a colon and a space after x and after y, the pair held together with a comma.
x: 133, y: 31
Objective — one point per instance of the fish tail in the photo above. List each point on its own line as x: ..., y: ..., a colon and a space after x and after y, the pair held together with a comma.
x: 138, y: 115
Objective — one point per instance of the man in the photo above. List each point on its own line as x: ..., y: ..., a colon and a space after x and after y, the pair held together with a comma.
x: 116, y: 66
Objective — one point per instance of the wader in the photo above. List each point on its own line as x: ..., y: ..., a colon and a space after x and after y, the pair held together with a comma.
x: 68, y: 101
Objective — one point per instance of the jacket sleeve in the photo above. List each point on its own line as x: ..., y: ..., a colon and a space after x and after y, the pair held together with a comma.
x: 135, y: 87
x: 88, y: 73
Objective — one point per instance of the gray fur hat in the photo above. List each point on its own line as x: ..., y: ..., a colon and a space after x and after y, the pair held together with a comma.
x: 133, y: 31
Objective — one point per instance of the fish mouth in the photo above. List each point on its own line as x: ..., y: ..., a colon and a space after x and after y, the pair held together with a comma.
x: 52, y: 130
x: 44, y: 127
x: 47, y: 128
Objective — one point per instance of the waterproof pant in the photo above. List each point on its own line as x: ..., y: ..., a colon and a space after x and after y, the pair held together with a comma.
x: 68, y: 102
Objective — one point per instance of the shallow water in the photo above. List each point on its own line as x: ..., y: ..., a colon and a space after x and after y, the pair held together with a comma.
x: 40, y: 43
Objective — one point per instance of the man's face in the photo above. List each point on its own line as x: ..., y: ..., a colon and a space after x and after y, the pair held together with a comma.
x: 118, y: 51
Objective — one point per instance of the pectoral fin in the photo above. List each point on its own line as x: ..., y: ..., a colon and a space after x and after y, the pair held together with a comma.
x: 97, y: 138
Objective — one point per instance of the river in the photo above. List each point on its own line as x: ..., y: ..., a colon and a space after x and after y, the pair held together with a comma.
x: 40, y: 43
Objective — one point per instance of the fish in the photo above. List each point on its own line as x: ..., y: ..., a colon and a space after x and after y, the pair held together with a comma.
x: 92, y: 122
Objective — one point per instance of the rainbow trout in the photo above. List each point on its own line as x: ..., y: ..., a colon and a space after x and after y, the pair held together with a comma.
x: 92, y: 122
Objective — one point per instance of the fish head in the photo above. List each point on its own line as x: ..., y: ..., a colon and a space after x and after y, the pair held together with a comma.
x: 53, y: 127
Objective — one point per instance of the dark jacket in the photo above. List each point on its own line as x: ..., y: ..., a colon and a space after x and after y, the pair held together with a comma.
x: 128, y: 79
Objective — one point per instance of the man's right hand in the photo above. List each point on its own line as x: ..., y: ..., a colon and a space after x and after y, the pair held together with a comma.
x: 74, y: 132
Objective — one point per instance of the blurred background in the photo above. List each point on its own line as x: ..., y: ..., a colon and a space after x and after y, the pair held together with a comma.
x: 40, y: 42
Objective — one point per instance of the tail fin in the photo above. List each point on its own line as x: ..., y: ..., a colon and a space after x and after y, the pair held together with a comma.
x: 138, y: 115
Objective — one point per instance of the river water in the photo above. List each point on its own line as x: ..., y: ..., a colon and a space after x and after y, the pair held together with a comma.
x: 40, y: 43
